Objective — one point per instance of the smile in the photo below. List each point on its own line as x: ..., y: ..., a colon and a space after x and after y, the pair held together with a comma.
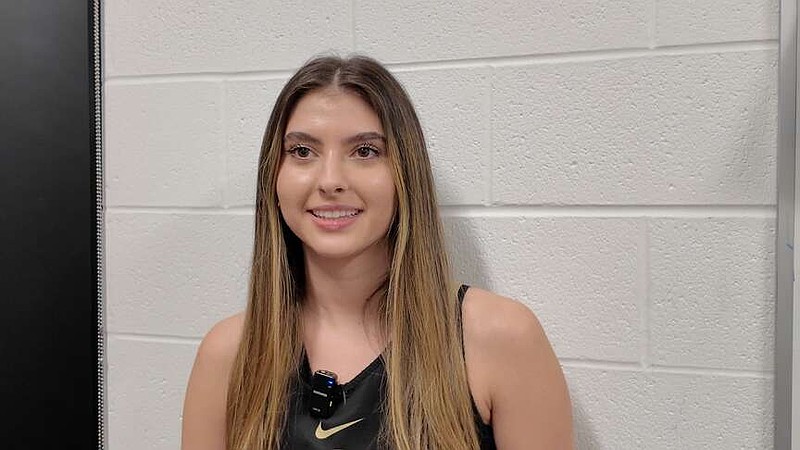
x: 334, y: 219
x: 340, y: 214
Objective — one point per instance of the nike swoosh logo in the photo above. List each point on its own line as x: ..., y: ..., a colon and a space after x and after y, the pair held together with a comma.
x: 320, y: 433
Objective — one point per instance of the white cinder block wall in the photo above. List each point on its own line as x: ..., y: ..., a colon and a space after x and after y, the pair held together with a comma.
x: 611, y: 163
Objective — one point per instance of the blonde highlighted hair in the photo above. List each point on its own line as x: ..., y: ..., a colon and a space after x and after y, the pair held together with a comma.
x: 428, y: 403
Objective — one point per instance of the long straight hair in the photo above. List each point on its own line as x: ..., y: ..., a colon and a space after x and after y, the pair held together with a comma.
x: 428, y: 403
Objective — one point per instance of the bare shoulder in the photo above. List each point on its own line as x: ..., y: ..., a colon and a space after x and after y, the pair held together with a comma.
x: 515, y: 377
x: 221, y: 343
x: 496, y: 321
x: 204, y: 406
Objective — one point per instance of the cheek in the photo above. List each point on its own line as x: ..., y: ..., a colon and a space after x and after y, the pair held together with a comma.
x: 281, y: 188
x: 383, y: 192
x: 288, y: 194
x: 288, y: 186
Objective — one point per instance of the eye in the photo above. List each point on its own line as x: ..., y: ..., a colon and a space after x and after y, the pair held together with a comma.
x: 299, y: 151
x: 365, y: 151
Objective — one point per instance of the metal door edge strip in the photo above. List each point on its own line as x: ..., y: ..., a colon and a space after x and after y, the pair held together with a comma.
x: 97, y: 86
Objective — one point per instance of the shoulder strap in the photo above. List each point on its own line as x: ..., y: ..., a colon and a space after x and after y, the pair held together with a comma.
x: 461, y: 292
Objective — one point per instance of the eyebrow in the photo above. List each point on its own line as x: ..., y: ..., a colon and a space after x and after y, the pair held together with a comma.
x: 360, y: 137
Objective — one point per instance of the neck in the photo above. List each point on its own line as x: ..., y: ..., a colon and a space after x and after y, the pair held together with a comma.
x: 340, y: 292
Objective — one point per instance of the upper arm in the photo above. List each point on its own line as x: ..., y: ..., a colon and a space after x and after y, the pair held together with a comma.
x: 205, y: 402
x: 530, y: 406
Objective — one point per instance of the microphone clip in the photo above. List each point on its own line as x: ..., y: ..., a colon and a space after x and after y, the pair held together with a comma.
x: 325, y: 394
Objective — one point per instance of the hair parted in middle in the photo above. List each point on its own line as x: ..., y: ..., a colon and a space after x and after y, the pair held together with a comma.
x: 428, y: 403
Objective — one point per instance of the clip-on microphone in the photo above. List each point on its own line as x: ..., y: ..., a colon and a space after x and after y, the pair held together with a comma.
x: 325, y: 393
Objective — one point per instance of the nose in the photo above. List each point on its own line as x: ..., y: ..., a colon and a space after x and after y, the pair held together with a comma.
x: 332, y: 178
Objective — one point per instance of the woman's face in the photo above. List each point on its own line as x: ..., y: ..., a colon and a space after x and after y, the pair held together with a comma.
x: 335, y: 185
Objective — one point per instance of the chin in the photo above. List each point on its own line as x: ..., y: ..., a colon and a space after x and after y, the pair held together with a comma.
x: 334, y: 251
x: 339, y: 250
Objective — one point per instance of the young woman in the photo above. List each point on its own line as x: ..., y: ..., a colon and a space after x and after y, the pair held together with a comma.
x: 350, y: 275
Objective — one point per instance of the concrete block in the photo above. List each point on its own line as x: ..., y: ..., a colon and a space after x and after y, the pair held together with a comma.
x: 424, y: 31
x: 189, y: 36
x: 164, y: 144
x: 712, y: 289
x: 631, y: 410
x: 579, y: 275
x: 248, y: 105
x: 683, y: 22
x: 176, y: 274
x: 610, y: 408
x: 710, y: 412
x: 453, y: 106
x: 146, y: 387
x: 683, y: 129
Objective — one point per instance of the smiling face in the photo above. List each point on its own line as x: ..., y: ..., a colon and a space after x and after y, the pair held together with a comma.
x: 335, y: 185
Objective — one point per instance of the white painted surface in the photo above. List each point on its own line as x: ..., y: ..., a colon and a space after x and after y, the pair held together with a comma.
x: 686, y: 22
x: 677, y: 129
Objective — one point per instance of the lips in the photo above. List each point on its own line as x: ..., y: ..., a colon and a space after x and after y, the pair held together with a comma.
x: 334, y: 217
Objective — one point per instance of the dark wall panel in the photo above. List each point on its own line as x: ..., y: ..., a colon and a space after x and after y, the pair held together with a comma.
x: 48, y: 383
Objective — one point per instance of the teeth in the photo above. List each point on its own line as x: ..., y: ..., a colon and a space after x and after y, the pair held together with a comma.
x: 335, y: 214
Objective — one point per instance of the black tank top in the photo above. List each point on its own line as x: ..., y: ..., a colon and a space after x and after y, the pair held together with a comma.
x: 356, y: 422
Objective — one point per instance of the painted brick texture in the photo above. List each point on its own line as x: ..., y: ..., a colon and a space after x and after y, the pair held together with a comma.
x: 610, y: 164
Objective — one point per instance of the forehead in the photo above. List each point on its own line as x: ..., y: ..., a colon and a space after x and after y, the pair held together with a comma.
x: 333, y: 112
